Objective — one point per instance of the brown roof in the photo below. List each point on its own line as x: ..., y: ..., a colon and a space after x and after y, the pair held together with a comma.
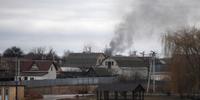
x: 43, y: 65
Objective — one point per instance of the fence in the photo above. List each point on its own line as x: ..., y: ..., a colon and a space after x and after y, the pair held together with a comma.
x: 70, y: 81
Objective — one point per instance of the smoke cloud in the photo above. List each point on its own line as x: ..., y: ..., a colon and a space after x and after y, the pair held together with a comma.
x: 151, y: 18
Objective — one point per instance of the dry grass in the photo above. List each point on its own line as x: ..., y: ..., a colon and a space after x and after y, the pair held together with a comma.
x: 161, y: 98
x: 146, y: 98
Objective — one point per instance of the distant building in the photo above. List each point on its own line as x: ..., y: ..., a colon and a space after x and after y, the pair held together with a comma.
x: 23, y: 69
x: 132, y: 67
x: 38, y: 70
x: 83, y: 61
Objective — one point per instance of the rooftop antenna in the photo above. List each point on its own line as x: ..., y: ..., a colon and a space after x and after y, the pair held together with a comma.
x: 142, y: 53
x: 151, y: 71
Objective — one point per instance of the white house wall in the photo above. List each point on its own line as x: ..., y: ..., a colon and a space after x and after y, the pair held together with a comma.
x: 50, y: 75
x: 115, y: 68
x: 70, y: 69
x: 161, y: 76
x: 126, y: 71
x: 142, y: 72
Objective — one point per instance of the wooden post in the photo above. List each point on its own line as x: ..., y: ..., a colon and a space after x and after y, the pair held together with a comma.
x: 104, y: 95
x: 116, y: 95
x: 100, y: 95
x: 97, y: 93
x: 12, y: 93
x: 133, y: 95
x: 2, y: 93
x: 142, y: 95
x: 125, y: 95
x: 21, y: 93
x: 108, y: 95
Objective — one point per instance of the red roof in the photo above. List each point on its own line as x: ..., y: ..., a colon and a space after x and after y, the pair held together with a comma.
x: 43, y: 65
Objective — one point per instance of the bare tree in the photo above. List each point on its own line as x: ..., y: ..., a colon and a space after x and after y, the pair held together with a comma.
x: 37, y: 53
x: 41, y: 53
x: 183, y: 46
x: 39, y: 50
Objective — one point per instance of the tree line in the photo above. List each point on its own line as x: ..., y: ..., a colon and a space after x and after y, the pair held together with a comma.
x: 35, y: 53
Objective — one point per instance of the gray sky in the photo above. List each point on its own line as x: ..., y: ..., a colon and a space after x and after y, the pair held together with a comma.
x: 71, y: 24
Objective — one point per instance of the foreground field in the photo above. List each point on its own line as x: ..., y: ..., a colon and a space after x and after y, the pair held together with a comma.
x: 94, y: 98
x: 162, y: 98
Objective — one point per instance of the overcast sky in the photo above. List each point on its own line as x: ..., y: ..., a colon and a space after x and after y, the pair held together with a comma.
x: 64, y: 24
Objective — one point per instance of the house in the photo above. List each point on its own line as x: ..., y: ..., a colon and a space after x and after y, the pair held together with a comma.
x: 132, y: 67
x: 37, y: 70
x: 83, y: 60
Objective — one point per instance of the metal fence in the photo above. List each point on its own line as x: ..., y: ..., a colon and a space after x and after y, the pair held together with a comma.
x: 70, y: 81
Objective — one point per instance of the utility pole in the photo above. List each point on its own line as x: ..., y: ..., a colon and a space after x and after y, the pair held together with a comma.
x: 17, y: 74
x: 16, y: 77
x: 153, y: 65
x: 151, y: 71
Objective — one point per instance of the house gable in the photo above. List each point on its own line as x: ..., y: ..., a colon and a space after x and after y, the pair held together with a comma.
x: 52, y: 68
x: 38, y: 70
x: 34, y: 68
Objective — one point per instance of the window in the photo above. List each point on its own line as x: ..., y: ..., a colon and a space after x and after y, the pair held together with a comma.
x: 109, y: 65
x: 106, y: 63
x: 32, y: 78
x: 25, y: 78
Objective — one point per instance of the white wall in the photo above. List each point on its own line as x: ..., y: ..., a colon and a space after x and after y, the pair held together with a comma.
x: 70, y: 69
x: 161, y: 76
x: 126, y: 71
x: 115, y: 68
x: 142, y: 72
x: 50, y: 75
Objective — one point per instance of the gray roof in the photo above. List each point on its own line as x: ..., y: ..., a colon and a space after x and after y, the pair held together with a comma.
x: 102, y: 72
x: 126, y: 61
x: 82, y: 59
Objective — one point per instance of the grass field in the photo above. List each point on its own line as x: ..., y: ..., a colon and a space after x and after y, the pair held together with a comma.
x: 162, y: 98
x: 145, y: 98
